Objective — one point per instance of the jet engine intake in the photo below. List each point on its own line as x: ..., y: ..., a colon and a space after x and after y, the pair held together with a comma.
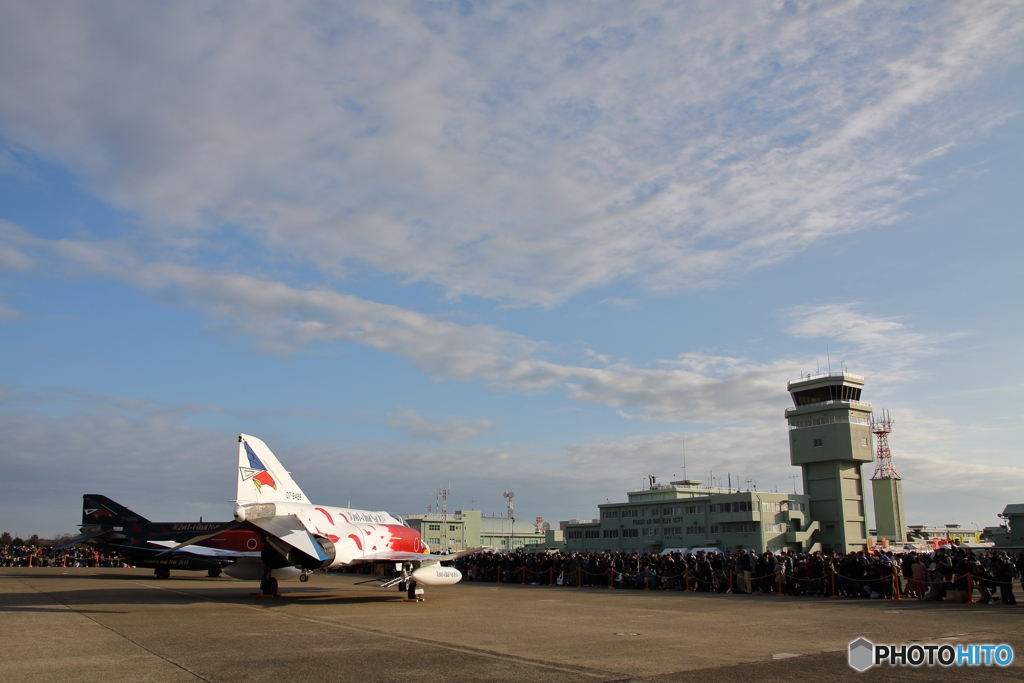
x: 301, y: 559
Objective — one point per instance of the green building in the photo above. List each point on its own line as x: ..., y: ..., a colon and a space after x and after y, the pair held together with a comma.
x: 686, y: 514
x: 465, y: 529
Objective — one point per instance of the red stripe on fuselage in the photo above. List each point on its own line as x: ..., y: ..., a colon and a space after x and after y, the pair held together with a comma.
x: 327, y: 515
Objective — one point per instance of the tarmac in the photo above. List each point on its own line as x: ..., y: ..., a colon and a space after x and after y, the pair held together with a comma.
x: 114, y: 625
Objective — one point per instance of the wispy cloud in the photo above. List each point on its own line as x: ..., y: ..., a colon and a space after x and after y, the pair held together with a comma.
x: 447, y: 429
x: 282, y: 318
x: 521, y: 152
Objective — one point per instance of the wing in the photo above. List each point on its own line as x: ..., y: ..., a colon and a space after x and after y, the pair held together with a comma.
x: 399, y: 556
x: 81, y: 538
x: 290, y: 529
x: 204, y: 551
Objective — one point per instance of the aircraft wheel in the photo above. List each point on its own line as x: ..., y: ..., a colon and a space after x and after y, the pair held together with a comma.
x: 213, y: 573
x: 269, y: 586
x: 412, y: 590
x: 304, y: 578
x: 162, y: 573
x: 401, y: 586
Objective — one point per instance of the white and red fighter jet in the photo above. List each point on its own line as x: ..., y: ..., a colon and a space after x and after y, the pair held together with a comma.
x: 300, y: 535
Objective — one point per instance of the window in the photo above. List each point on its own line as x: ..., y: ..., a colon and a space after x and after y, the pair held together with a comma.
x: 859, y: 420
x: 714, y: 529
x: 651, y: 531
x: 592, y: 533
x: 818, y: 443
x: 771, y: 507
x: 696, y: 529
x: 830, y: 528
x: 434, y: 527
x: 718, y: 507
x: 630, y: 513
x: 744, y: 528
x: 669, y: 511
x: 573, y: 535
x: 609, y: 514
x: 435, y: 541
x: 694, y: 509
x: 798, y: 507
x: 630, y: 533
x: 610, y: 533
x: 452, y: 527
x: 863, y: 441
x: 774, y: 528
x: 647, y: 512
x: 673, y: 531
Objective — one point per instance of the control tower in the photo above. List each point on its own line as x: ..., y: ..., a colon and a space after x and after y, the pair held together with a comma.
x: 830, y: 438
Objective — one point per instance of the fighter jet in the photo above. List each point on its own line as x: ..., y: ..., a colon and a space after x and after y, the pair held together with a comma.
x: 299, y: 535
x: 114, y: 527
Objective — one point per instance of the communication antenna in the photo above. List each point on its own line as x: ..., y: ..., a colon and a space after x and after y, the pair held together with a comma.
x: 881, y: 427
x: 684, y: 457
x: 794, y: 477
x: 829, y: 357
x: 512, y: 530
x: 444, y: 493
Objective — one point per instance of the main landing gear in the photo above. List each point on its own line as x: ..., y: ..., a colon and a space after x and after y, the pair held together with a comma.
x: 213, y: 573
x: 304, y: 577
x: 162, y: 573
x: 268, y: 586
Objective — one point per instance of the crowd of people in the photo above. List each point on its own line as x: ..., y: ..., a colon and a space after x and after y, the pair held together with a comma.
x: 45, y: 556
x: 949, y: 573
x: 943, y: 574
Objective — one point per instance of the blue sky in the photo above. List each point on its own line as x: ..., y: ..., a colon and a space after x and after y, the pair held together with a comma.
x: 529, y: 246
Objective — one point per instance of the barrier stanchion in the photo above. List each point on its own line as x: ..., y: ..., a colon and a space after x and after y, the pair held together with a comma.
x: 551, y: 576
x: 523, y: 582
x: 970, y: 589
x: 579, y: 577
x: 896, y: 586
x: 30, y: 559
x: 833, y: 582
x: 611, y: 578
x: 686, y: 578
x: 731, y: 589
x: 497, y: 576
x: 647, y: 580
x: 778, y: 575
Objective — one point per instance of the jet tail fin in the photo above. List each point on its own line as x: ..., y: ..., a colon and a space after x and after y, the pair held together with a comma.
x: 261, y: 477
x: 97, y: 509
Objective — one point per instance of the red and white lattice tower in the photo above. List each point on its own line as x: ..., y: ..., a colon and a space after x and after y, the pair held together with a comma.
x: 880, y: 427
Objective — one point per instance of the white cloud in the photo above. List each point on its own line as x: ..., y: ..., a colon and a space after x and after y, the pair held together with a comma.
x: 448, y: 429
x: 693, y: 387
x: 869, y: 334
x: 526, y: 153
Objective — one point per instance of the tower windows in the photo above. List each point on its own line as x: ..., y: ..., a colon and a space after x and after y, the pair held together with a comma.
x: 818, y: 443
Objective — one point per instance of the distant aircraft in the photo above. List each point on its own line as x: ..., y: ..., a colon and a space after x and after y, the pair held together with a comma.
x: 299, y: 534
x: 142, y: 543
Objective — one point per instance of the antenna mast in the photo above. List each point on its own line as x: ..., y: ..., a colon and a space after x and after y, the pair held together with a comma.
x: 880, y: 427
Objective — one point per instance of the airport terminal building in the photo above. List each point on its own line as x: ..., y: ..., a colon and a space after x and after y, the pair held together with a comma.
x: 830, y: 439
x: 686, y: 514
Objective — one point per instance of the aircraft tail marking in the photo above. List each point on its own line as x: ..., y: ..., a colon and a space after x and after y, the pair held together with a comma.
x: 261, y: 478
x: 97, y: 509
